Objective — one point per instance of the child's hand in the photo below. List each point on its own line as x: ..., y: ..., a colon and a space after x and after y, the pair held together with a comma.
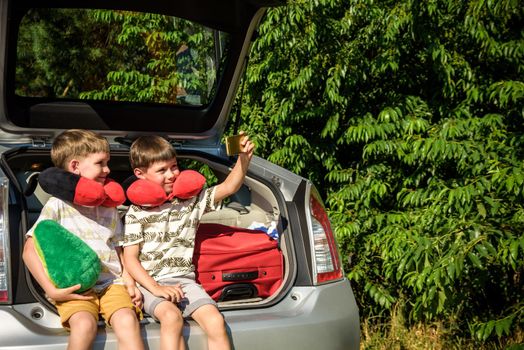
x: 236, y: 177
x: 66, y: 294
x: 171, y: 293
x: 136, y: 295
x: 248, y: 147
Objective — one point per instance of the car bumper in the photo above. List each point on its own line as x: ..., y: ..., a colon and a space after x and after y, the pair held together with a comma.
x: 323, y: 317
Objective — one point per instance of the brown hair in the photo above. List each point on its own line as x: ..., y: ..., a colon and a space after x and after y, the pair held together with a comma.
x: 147, y: 150
x: 76, y: 143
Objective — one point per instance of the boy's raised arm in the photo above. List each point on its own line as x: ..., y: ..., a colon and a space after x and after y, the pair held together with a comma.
x: 236, y: 177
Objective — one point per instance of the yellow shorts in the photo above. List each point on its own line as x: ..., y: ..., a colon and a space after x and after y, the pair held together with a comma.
x: 112, y: 299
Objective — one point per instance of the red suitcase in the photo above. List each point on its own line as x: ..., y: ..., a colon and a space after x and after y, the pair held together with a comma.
x: 236, y: 263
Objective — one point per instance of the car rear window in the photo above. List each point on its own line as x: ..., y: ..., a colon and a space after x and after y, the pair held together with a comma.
x: 111, y: 55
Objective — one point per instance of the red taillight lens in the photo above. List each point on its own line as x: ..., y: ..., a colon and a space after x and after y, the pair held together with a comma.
x: 327, y: 259
x: 5, y: 281
x: 3, y: 296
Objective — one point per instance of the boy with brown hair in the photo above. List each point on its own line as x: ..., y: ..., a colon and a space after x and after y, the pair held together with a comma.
x: 159, y: 243
x: 85, y: 153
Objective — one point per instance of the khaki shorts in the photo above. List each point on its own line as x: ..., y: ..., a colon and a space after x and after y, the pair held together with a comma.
x: 106, y: 303
x: 194, y: 296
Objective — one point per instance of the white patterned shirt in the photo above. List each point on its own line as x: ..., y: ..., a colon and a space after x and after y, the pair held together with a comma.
x: 99, y: 227
x: 166, y: 234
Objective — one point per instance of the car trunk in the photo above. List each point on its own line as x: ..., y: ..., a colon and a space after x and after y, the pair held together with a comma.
x: 256, y: 203
x: 213, y: 36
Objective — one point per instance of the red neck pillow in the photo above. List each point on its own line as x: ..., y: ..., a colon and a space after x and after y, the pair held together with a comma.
x: 148, y: 194
x: 82, y: 191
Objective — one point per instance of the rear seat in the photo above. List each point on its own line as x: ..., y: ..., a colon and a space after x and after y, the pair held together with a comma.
x: 232, y: 217
x: 35, y: 199
x: 241, y: 211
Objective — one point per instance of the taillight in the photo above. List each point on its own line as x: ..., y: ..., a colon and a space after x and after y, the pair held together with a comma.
x: 326, y: 256
x: 5, y: 280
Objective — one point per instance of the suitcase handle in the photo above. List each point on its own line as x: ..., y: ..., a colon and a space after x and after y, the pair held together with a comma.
x: 238, y: 291
x: 239, y: 276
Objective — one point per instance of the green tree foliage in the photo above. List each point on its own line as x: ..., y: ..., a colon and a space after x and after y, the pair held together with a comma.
x: 163, y: 70
x: 53, y: 58
x: 115, y: 55
x: 409, y: 117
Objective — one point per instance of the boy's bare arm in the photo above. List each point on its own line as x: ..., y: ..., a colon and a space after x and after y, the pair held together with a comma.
x: 130, y: 283
x: 236, y: 177
x: 36, y: 268
x: 137, y: 271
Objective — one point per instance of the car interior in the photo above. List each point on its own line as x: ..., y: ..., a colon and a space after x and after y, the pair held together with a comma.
x: 254, y: 206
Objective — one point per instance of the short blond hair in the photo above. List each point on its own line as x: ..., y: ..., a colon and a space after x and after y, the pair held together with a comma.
x: 147, y: 150
x: 76, y: 143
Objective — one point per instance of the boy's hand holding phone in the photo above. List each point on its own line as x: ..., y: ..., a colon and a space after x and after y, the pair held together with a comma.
x: 239, y: 144
x: 234, y: 144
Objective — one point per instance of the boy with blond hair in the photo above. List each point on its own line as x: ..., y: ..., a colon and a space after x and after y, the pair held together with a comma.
x: 85, y: 153
x: 159, y: 243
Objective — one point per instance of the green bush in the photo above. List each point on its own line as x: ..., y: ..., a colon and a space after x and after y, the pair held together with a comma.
x: 409, y: 117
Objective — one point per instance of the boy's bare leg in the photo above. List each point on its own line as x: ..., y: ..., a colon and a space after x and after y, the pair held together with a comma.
x: 83, y: 331
x: 212, y: 322
x: 171, y: 326
x: 127, y: 329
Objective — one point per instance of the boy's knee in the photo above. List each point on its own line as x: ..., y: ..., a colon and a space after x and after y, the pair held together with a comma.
x: 173, y: 320
x: 124, y: 318
x: 169, y: 315
x: 214, y: 323
x: 83, y: 323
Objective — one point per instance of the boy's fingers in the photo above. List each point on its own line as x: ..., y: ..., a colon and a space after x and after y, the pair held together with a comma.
x: 71, y: 291
x: 176, y: 295
x: 136, y: 296
x: 172, y: 293
x: 73, y: 288
x: 176, y: 289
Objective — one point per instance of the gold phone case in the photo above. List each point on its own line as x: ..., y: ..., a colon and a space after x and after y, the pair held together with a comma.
x: 233, y: 145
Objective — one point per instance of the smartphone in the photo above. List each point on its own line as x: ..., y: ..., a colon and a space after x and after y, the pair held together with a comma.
x: 233, y: 145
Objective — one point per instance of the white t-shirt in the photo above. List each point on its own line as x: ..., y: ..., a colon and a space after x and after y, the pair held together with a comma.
x: 99, y: 227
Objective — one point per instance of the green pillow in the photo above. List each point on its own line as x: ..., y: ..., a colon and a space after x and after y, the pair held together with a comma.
x: 67, y: 259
